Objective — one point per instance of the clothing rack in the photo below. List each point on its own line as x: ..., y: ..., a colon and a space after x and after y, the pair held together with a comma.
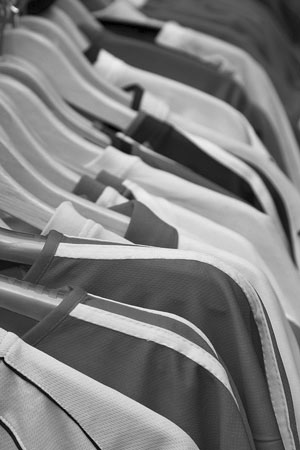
x: 149, y: 225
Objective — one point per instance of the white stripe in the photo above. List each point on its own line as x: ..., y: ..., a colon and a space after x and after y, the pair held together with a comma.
x: 155, y: 334
x: 165, y: 314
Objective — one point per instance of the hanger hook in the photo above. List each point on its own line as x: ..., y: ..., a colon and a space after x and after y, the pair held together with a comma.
x: 9, y: 13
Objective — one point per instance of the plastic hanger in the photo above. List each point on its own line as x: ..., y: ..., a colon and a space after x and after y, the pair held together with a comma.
x: 17, y: 202
x: 51, y: 133
x: 22, y: 248
x: 79, y: 14
x: 124, y: 12
x: 50, y: 60
x: 55, y: 34
x: 21, y: 138
x: 35, y: 80
x: 30, y: 300
x: 64, y: 21
x: 95, y: 5
x: 17, y: 167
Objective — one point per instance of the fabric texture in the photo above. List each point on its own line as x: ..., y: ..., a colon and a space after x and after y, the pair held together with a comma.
x: 136, y: 340
x: 65, y: 406
x: 254, y: 79
x: 157, y: 294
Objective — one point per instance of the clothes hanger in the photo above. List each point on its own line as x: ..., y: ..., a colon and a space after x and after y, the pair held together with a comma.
x: 30, y: 300
x: 66, y: 23
x: 94, y: 5
x: 52, y: 135
x: 55, y: 34
x: 49, y: 59
x: 19, y: 169
x: 21, y: 138
x: 35, y: 80
x: 17, y: 202
x: 79, y: 14
x: 21, y: 248
x: 121, y: 11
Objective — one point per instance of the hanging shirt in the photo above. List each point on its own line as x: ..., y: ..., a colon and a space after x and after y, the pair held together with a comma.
x: 284, y: 194
x: 256, y: 227
x: 147, y: 229
x: 129, y: 146
x: 161, y: 268
x: 71, y: 223
x: 133, y: 51
x: 169, y: 63
x: 170, y: 187
x: 209, y: 161
x: 44, y: 401
x: 183, y: 106
x: 256, y: 192
x: 253, y: 77
x: 170, y: 142
x: 264, y: 283
x: 141, y: 339
x: 249, y: 26
x: 113, y: 18
x: 150, y: 229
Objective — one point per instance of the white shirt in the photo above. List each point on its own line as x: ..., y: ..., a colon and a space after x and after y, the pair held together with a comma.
x: 68, y: 221
x: 174, y: 188
x: 68, y: 409
x: 253, y: 77
x: 287, y: 190
x: 241, y: 218
x: 181, y: 105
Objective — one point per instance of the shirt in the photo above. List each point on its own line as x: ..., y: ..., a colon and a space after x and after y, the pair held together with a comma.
x: 251, y: 224
x: 257, y: 116
x: 283, y: 192
x: 166, y: 62
x: 147, y: 228
x: 157, y: 294
x: 170, y: 187
x: 129, y: 146
x: 210, y: 162
x: 71, y: 223
x: 236, y: 23
x: 45, y: 402
x: 254, y: 78
x: 242, y: 24
x: 193, y: 110
x: 139, y: 340
x: 250, y: 264
x: 169, y: 141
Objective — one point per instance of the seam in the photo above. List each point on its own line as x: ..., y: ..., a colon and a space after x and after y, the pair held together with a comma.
x: 266, y: 341
x: 51, y: 396
x: 15, y: 433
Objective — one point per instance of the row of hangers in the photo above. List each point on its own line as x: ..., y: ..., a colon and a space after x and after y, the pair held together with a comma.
x: 44, y: 143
